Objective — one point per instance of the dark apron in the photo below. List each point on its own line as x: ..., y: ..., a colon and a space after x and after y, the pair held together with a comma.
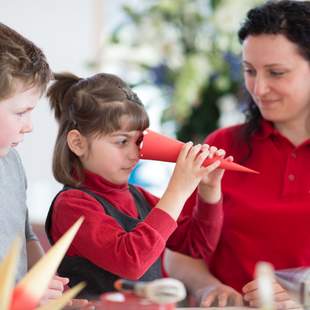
x: 79, y: 269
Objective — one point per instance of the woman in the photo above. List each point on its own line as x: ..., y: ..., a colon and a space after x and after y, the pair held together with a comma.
x: 265, y: 216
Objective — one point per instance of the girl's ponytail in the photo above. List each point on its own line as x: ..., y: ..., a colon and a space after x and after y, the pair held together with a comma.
x: 58, y: 90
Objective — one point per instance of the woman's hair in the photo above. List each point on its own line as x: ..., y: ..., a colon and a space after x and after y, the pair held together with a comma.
x: 286, y: 17
x: 20, y: 60
x: 94, y: 106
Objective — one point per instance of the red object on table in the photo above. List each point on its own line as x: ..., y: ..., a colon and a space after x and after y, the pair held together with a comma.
x: 129, y: 301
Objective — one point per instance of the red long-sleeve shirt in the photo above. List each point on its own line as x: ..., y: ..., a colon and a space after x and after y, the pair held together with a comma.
x: 266, y: 216
x: 103, y: 241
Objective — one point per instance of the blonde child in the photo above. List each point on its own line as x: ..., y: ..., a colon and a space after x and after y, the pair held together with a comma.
x: 126, y: 229
x: 24, y: 74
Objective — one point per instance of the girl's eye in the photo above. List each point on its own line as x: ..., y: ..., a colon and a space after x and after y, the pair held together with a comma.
x: 122, y: 142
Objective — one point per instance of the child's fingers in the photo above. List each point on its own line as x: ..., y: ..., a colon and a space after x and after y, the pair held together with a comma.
x: 213, y: 150
x: 220, y: 153
x: 202, y: 156
x: 205, y: 147
x: 211, y: 167
x: 229, y: 158
x: 64, y: 281
x: 185, y: 150
x: 193, y: 153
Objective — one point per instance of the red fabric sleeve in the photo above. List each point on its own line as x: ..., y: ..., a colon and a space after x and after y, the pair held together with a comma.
x: 127, y: 254
x: 198, y: 230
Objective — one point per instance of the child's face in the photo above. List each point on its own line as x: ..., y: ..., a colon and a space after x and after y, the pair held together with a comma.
x: 15, y: 118
x: 114, y: 156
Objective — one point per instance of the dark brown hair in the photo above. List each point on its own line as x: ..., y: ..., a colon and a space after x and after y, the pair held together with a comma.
x: 20, y: 60
x: 94, y: 106
x: 285, y: 17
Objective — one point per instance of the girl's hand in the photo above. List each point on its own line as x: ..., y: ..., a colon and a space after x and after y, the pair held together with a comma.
x: 187, y: 174
x: 282, y: 298
x: 189, y: 171
x: 210, y: 186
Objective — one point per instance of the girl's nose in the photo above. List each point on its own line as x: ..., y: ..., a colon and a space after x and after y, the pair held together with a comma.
x: 134, y: 152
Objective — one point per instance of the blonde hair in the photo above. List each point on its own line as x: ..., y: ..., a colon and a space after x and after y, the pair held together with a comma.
x: 20, y: 60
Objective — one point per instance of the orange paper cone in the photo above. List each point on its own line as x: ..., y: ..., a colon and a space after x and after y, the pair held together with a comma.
x: 8, y: 268
x: 159, y: 147
x: 59, y: 303
x: 31, y: 288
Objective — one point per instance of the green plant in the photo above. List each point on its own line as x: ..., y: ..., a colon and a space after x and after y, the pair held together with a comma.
x: 191, y: 53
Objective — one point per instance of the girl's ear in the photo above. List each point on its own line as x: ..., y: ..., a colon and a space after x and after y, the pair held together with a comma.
x: 77, y: 143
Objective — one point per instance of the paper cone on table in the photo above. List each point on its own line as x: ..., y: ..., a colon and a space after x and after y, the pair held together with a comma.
x: 60, y: 302
x: 159, y: 147
x: 8, y: 268
x: 31, y: 288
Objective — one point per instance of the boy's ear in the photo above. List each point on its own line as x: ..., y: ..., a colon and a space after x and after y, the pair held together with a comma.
x: 77, y: 143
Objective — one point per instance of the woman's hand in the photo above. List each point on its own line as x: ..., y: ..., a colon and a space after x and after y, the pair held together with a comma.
x: 282, y: 298
x: 219, y: 295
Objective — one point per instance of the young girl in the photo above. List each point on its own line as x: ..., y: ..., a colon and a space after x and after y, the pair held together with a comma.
x: 126, y: 229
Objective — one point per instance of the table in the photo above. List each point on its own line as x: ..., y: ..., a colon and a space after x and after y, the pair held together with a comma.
x: 216, y: 308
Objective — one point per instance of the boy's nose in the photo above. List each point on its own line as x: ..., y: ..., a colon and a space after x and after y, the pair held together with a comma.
x: 27, y: 127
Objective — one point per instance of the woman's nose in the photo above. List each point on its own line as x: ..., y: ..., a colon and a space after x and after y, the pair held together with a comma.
x: 261, y: 86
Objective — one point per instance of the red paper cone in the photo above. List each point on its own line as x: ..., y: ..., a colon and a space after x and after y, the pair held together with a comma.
x: 159, y: 147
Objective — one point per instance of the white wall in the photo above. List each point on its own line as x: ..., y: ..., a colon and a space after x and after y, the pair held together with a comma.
x: 64, y: 29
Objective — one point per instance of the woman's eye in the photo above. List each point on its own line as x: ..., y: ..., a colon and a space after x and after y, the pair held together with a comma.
x: 276, y: 73
x: 21, y: 113
x: 249, y: 71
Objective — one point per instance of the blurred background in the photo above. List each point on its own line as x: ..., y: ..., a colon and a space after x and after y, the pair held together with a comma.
x: 181, y: 57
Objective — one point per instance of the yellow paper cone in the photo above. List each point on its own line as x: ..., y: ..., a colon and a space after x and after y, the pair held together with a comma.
x: 7, y: 274
x: 32, y: 287
x: 60, y: 302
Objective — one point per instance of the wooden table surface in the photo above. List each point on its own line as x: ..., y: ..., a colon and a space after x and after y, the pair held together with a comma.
x: 216, y: 308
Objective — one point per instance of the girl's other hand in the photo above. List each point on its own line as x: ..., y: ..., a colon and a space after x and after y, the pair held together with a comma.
x: 282, y: 298
x: 210, y: 186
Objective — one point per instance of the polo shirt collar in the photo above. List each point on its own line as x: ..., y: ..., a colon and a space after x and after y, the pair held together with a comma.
x: 267, y: 130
